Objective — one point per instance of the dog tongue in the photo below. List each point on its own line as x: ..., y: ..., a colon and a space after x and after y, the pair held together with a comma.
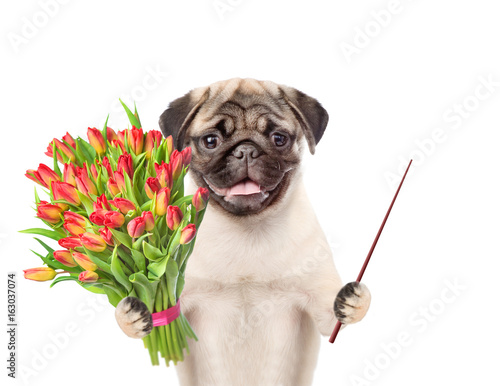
x: 244, y: 188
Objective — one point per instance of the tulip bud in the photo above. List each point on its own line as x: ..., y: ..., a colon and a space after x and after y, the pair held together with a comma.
x: 123, y: 204
x: 200, y: 199
x: 162, y: 198
x: 75, y: 217
x: 125, y: 164
x: 65, y: 191
x: 113, y: 187
x: 69, y: 139
x: 149, y: 221
x: 107, y: 236
x: 97, y: 217
x: 110, y: 134
x: 153, y: 137
x: 136, y: 227
x: 49, y: 212
x: 70, y: 242
x: 93, y: 242
x: 135, y: 139
x: 164, y: 175
x: 170, y: 145
x: 152, y: 186
x: 107, y: 166
x: 63, y: 148
x: 96, y: 140
x: 64, y: 257
x: 113, y: 219
x: 176, y: 164
x: 73, y: 228
x: 186, y: 156
x: 120, y: 181
x: 121, y: 136
x: 84, y: 261
x: 43, y: 176
x: 174, y: 217
x: 83, y: 182
x: 118, y: 144
x: 69, y: 174
x: 187, y: 234
x: 88, y: 277
x: 102, y: 203
x: 40, y: 274
x: 93, y: 171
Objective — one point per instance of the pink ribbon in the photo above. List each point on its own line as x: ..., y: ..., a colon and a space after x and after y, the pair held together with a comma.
x: 166, y: 316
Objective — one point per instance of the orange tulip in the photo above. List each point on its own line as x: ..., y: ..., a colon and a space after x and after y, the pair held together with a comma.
x: 84, y: 261
x: 93, y: 242
x: 96, y: 140
x: 64, y: 257
x: 65, y: 191
x: 40, y: 274
x: 88, y: 277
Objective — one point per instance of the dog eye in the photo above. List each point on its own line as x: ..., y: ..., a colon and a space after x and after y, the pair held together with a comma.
x: 210, y: 141
x: 279, y: 139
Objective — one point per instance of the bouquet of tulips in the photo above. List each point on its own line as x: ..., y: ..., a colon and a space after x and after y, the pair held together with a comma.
x: 124, y: 227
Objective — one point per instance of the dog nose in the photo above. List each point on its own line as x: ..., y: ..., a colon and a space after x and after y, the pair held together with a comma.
x: 246, y: 150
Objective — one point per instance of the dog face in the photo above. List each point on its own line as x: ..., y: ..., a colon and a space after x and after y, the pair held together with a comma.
x: 246, y: 138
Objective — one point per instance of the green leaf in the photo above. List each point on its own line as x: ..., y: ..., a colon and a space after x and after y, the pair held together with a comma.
x: 114, y: 294
x: 183, y: 200
x: 87, y: 203
x: 95, y: 288
x: 152, y: 253
x: 134, y: 121
x: 47, y: 248
x: 171, y: 274
x: 105, y: 133
x: 137, y: 244
x: 144, y: 288
x: 117, y: 271
x: 63, y: 278
x: 157, y: 268
x: 136, y: 114
x: 37, y: 199
x: 56, y: 166
x: 180, y: 285
x: 43, y: 232
x: 97, y: 261
x: 123, y: 238
x: 87, y: 151
x: 139, y: 260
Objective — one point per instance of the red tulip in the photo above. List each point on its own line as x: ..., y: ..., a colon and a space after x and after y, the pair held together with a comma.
x: 152, y: 186
x: 96, y: 140
x: 125, y: 164
x: 187, y: 234
x: 176, y: 164
x: 65, y: 191
x: 84, y: 261
x: 152, y: 137
x: 69, y: 174
x: 107, y: 236
x: 123, y: 204
x: 170, y: 144
x: 73, y: 228
x: 88, y: 277
x: 83, y: 182
x: 135, y: 139
x: 107, y: 166
x: 174, y: 217
x: 162, y: 198
x: 43, y: 175
x: 75, y: 217
x: 164, y: 175
x: 120, y: 181
x: 93, y: 242
x: 113, y: 219
x: 118, y: 144
x: 97, y: 217
x: 110, y: 134
x: 93, y: 171
x: 113, y: 187
x: 149, y: 221
x: 102, y: 203
x: 63, y: 148
x: 200, y: 198
x: 69, y: 139
x: 121, y: 136
x: 186, y: 156
x: 49, y: 212
x: 70, y: 242
x: 64, y: 257
x: 40, y: 274
x: 136, y: 227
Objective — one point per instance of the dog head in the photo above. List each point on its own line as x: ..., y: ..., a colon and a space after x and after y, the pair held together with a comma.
x: 246, y: 138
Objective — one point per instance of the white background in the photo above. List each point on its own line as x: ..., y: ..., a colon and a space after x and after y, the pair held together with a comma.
x: 396, y: 88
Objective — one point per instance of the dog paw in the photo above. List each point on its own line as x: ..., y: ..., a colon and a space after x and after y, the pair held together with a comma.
x: 134, y: 318
x: 352, y: 303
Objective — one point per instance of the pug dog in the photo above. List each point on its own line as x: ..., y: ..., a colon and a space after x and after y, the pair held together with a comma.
x: 261, y: 285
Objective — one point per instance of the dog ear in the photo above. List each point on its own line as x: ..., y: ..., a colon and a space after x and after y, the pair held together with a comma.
x: 179, y: 115
x: 311, y: 115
